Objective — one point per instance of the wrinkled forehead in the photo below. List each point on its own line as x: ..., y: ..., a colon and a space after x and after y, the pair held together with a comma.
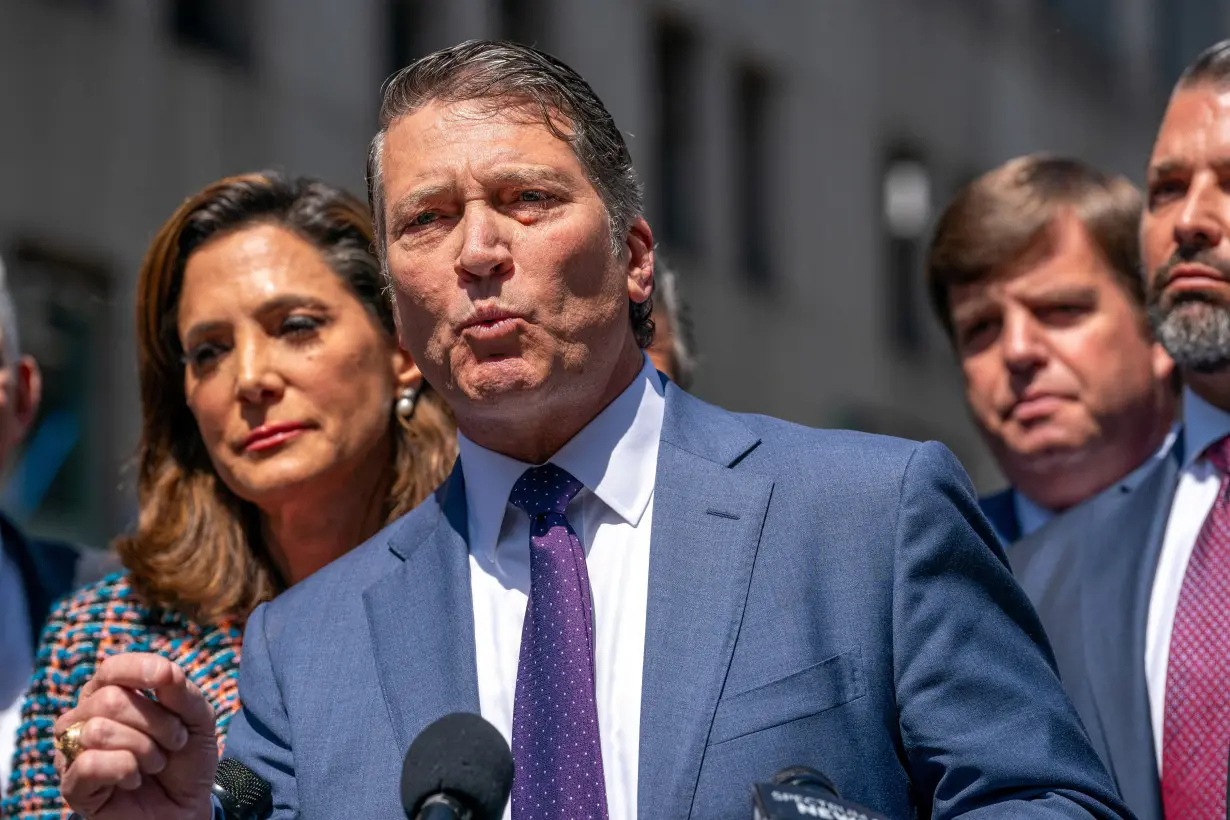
x: 451, y: 136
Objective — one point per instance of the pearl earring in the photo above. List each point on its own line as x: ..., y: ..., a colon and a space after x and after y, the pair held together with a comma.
x: 405, y: 402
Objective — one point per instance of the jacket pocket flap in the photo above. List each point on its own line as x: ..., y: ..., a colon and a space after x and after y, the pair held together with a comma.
x: 821, y: 686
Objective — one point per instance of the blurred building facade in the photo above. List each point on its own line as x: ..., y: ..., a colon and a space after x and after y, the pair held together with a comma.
x: 793, y: 154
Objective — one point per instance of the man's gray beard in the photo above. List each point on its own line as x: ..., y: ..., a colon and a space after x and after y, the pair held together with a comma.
x: 1196, y: 334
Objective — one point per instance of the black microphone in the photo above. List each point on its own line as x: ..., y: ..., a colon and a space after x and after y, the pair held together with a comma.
x: 803, y: 792
x: 244, y: 795
x: 458, y: 768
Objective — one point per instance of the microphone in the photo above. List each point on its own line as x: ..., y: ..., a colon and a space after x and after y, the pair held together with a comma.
x: 244, y: 795
x: 458, y: 768
x: 803, y: 792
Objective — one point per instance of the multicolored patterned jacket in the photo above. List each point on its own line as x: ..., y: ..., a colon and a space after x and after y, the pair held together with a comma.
x: 98, y: 621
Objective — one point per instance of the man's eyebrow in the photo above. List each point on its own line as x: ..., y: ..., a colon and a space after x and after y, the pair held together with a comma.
x: 415, y: 199
x: 534, y: 175
x: 1166, y: 167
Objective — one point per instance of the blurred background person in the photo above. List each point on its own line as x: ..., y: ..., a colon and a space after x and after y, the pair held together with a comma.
x: 33, y: 572
x: 1034, y: 273
x: 673, y: 349
x: 281, y: 427
x: 1134, y: 587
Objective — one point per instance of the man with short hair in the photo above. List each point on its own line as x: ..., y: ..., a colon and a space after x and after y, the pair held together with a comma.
x: 658, y: 602
x: 1034, y: 272
x: 1134, y: 587
x: 33, y: 572
x: 673, y: 348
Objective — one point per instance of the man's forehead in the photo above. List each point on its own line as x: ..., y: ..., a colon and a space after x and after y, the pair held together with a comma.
x: 443, y: 138
x: 1197, y: 121
x: 1040, y: 281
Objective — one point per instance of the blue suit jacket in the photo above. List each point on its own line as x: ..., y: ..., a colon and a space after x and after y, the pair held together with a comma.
x: 1000, y: 510
x: 820, y: 598
x: 1090, y: 574
x: 49, y: 570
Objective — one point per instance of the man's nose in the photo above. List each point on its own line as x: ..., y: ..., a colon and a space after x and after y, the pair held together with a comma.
x: 485, y: 249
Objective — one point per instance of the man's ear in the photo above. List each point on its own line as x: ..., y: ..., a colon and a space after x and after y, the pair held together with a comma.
x: 640, y: 260
x: 29, y: 393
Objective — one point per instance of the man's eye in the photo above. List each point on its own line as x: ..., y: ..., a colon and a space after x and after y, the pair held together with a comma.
x: 426, y: 218
x: 1165, y: 191
x: 533, y: 196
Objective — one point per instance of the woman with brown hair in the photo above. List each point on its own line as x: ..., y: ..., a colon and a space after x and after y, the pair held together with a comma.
x: 281, y: 427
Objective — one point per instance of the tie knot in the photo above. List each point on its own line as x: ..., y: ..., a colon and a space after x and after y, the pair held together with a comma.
x: 544, y: 489
x: 1218, y: 454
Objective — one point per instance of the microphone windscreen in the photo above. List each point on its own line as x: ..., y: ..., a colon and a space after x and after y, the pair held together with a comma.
x: 463, y: 756
x: 243, y: 793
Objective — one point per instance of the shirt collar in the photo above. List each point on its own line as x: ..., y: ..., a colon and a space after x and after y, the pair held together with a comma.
x: 1032, y: 516
x: 615, y: 456
x: 1203, y: 424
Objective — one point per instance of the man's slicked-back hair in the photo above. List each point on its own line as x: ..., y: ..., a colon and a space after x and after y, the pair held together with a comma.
x: 1211, y: 67
x: 507, y: 76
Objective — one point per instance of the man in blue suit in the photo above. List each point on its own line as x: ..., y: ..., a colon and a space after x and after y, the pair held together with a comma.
x: 656, y: 601
x: 1034, y: 273
x: 1134, y: 585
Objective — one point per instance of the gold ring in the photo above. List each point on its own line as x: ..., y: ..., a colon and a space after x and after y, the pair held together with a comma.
x: 69, y: 743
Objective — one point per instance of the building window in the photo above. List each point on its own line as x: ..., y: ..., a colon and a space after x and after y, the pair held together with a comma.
x: 753, y: 197
x: 905, y: 198
x: 524, y: 21
x: 220, y: 27
x: 1093, y: 22
x: 1184, y: 29
x: 675, y: 88
x: 406, y: 20
x: 64, y: 478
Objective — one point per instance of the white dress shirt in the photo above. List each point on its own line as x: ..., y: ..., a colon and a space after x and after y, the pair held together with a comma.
x: 16, y: 659
x: 1199, y: 482
x: 615, y: 456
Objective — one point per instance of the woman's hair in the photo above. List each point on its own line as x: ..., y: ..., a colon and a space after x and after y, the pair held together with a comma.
x: 197, y: 545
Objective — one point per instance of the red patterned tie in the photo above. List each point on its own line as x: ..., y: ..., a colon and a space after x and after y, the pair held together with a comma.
x: 1196, y: 729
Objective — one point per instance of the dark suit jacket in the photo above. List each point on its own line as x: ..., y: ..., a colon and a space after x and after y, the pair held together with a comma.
x: 49, y: 570
x: 820, y: 598
x: 1000, y: 510
x: 1090, y: 575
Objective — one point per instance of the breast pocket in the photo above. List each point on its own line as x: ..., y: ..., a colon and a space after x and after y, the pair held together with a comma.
x: 817, y: 688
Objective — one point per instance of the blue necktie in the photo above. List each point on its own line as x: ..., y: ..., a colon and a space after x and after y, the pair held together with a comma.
x: 555, y: 740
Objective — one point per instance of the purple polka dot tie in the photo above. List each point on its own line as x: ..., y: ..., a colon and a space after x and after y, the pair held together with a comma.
x: 555, y: 739
x: 1196, y: 726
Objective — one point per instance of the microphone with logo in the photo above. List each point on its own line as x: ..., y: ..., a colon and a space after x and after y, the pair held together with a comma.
x: 458, y: 768
x: 803, y: 792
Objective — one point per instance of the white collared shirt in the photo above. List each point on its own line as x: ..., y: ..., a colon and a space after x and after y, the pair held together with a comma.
x: 615, y: 456
x: 16, y: 659
x: 1199, y: 482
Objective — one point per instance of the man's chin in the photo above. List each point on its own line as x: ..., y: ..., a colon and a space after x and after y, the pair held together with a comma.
x: 498, y: 380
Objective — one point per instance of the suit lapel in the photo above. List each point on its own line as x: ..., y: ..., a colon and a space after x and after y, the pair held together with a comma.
x: 1122, y: 560
x: 421, y: 618
x: 706, y: 528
